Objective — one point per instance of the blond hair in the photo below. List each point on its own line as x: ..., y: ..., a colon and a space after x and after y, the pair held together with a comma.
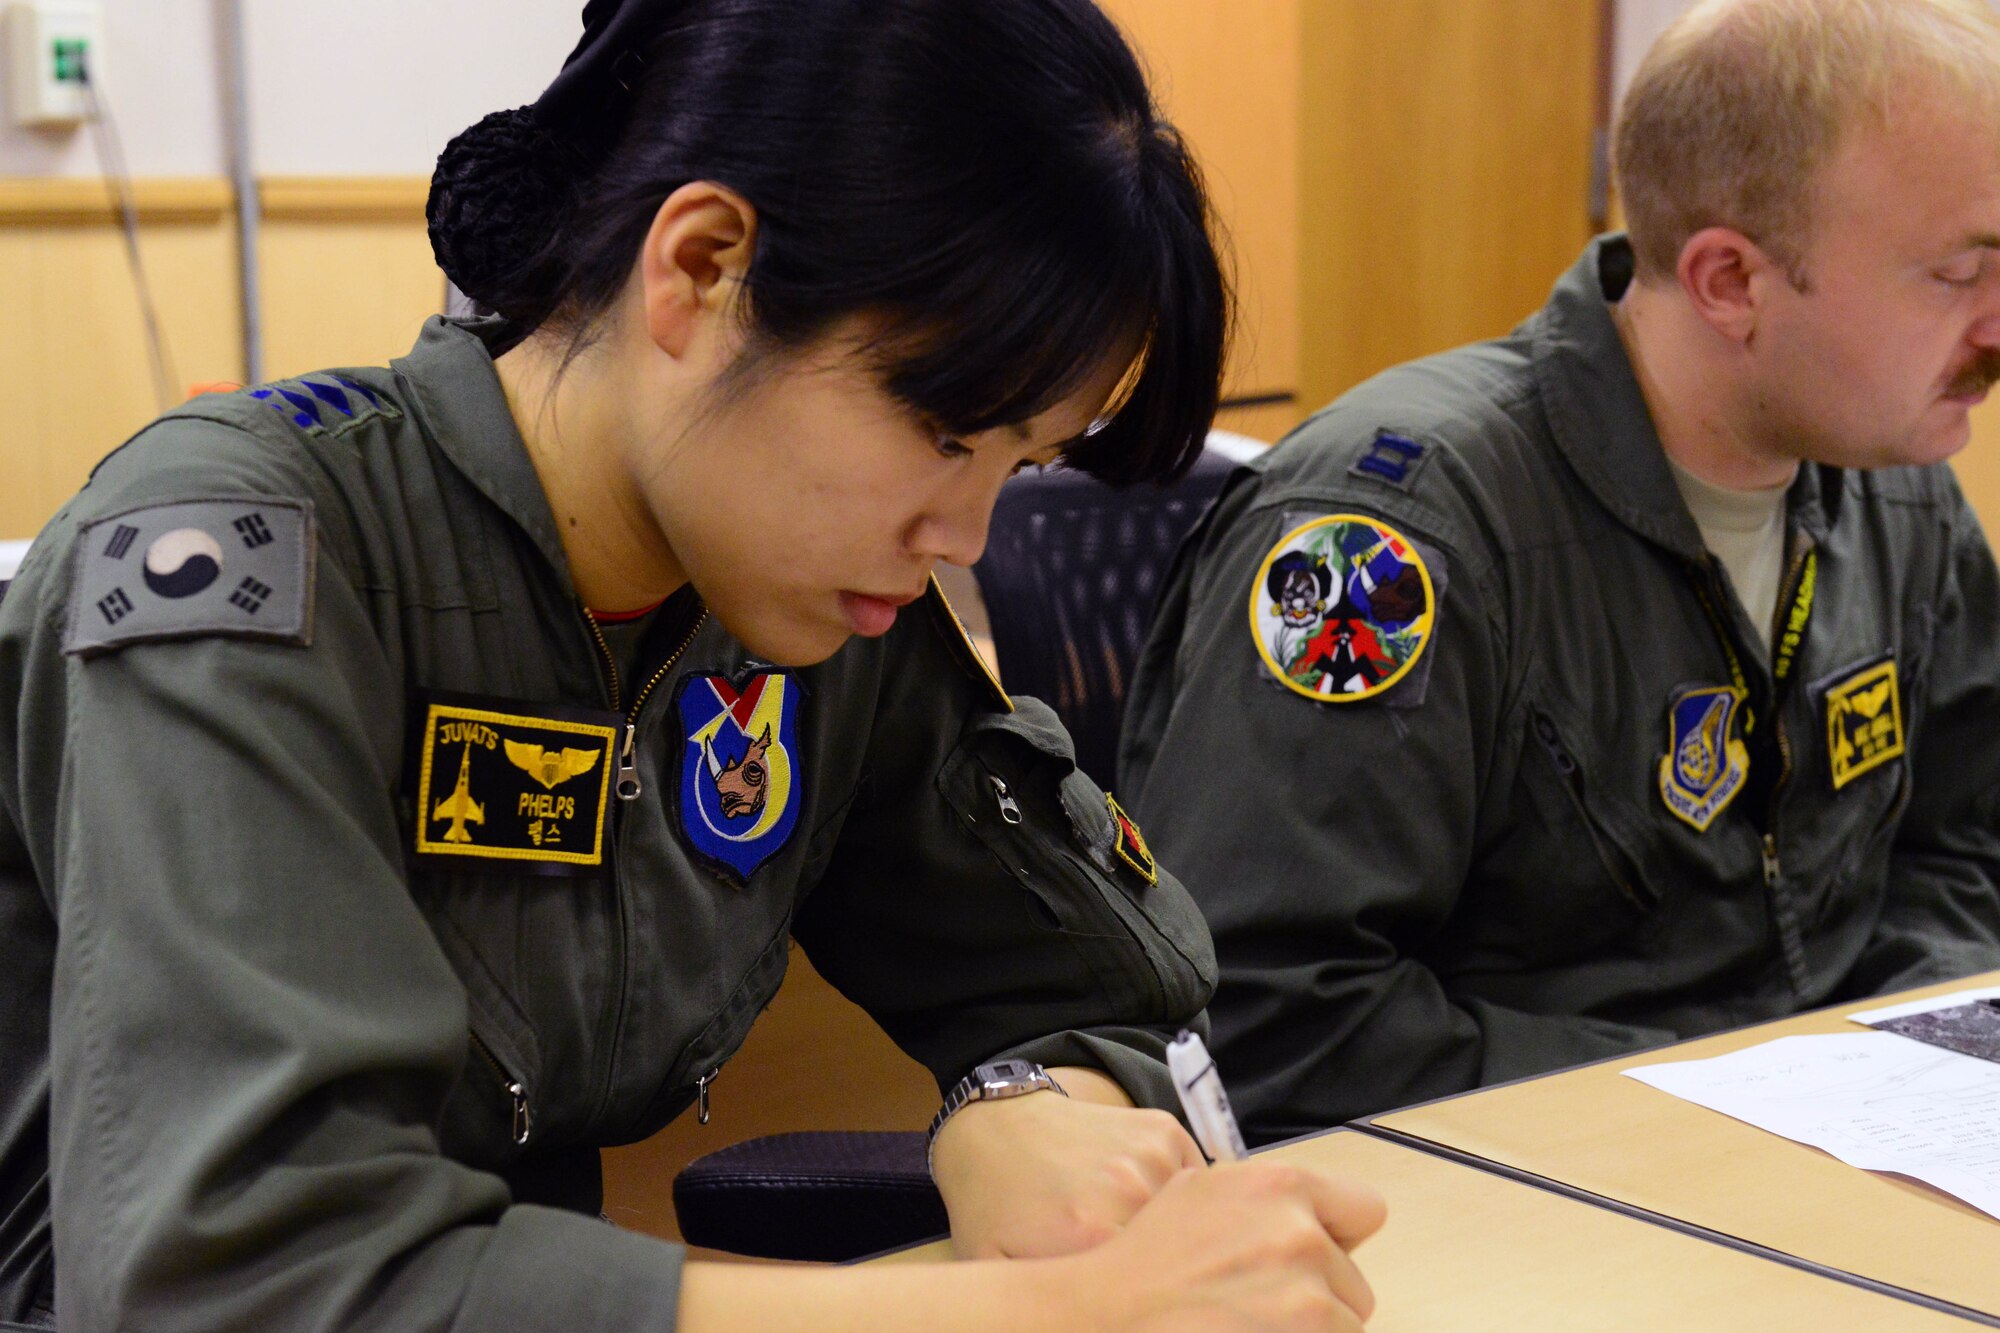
x: 1741, y: 102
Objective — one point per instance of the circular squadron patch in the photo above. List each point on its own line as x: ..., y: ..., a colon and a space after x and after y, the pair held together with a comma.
x: 1342, y: 608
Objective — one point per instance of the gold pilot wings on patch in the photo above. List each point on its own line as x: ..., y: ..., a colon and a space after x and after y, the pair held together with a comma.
x: 519, y: 782
x: 1864, y: 720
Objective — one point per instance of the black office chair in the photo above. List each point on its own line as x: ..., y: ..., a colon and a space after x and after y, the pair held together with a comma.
x: 1070, y: 577
x: 826, y: 1195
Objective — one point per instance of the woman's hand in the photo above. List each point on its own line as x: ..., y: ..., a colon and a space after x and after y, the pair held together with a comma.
x: 1043, y: 1174
x: 1247, y: 1245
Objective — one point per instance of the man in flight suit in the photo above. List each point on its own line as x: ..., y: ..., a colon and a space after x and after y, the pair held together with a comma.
x: 1680, y: 687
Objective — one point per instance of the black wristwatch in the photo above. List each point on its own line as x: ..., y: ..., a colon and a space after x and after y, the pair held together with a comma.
x: 989, y: 1083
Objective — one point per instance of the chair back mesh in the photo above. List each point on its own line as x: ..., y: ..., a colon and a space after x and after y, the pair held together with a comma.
x: 1070, y: 577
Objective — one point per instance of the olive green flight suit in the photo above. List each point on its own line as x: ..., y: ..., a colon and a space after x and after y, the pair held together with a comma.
x: 285, y: 1042
x: 1474, y: 875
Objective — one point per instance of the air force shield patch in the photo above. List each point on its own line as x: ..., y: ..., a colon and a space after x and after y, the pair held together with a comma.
x: 1705, y: 764
x: 741, y: 787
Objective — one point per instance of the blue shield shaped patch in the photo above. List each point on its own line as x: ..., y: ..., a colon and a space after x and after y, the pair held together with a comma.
x: 741, y: 785
x: 1706, y: 764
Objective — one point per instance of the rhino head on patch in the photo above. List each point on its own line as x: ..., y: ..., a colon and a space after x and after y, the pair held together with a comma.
x: 744, y: 783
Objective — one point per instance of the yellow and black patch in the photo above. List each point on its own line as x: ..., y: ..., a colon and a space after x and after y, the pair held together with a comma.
x: 502, y: 780
x: 1864, y: 720
x: 1130, y: 845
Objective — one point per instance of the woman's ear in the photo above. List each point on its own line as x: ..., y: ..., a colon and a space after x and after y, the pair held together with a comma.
x: 696, y: 256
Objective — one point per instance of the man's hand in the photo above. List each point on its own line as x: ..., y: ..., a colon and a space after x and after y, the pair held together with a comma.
x: 1041, y: 1174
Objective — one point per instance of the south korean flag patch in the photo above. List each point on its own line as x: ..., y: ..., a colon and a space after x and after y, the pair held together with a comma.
x: 239, y: 567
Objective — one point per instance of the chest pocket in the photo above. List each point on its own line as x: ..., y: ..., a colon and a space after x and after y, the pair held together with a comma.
x: 1842, y: 816
x: 1014, y: 783
x: 1563, y: 879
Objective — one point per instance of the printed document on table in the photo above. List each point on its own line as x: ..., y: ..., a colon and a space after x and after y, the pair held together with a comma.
x: 1870, y: 1017
x: 1872, y: 1099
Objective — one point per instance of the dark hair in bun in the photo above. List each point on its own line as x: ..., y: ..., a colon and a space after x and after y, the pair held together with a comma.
x: 989, y: 176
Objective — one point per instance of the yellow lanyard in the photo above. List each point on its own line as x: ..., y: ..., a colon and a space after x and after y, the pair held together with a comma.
x: 1784, y: 653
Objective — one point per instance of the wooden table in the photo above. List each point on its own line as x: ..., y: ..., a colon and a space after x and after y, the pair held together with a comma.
x: 1466, y: 1249
x: 1612, y: 1138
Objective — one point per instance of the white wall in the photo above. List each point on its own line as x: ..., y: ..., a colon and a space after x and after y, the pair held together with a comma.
x: 1637, y: 25
x: 337, y: 87
x: 157, y: 73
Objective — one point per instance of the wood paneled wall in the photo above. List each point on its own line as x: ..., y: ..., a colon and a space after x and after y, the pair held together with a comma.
x: 1228, y: 75
x: 1446, y: 154
x: 347, y: 277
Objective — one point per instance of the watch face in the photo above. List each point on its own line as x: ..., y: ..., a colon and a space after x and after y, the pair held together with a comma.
x: 1005, y: 1075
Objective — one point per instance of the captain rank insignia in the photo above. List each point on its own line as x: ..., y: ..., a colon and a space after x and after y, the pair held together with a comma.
x: 516, y: 782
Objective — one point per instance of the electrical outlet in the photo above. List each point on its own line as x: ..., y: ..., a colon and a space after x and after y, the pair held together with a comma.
x: 51, y: 45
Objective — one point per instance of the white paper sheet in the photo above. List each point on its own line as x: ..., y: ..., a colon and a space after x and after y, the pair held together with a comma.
x: 1872, y: 1099
x: 1870, y: 1017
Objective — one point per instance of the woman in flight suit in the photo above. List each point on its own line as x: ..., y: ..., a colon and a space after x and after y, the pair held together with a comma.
x: 420, y: 774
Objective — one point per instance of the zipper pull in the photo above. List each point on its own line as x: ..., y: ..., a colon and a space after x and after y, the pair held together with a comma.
x: 522, y: 1122
x: 628, y: 768
x: 1770, y: 860
x: 701, y: 1094
x: 1008, y: 810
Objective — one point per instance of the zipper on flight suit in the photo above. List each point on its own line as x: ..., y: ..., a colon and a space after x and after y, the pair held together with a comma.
x: 1009, y: 810
x: 518, y: 1091
x: 1788, y: 596
x: 628, y: 788
x: 627, y: 783
x: 1793, y: 946
x: 1788, y: 593
x: 701, y: 1088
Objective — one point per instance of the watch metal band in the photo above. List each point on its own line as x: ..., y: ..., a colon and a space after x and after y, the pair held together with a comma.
x: 990, y: 1082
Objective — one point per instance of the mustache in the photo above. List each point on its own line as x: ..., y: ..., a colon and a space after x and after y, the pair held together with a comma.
x: 1979, y: 375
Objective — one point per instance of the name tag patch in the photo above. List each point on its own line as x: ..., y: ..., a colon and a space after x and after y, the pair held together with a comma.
x: 1864, y: 720
x: 507, y: 781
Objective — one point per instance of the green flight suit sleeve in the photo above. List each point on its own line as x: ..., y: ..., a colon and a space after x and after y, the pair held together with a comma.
x: 1941, y: 911
x: 1327, y: 844
x: 253, y: 1031
x: 975, y: 906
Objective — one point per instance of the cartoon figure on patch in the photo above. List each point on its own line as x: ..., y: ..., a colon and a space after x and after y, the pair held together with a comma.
x: 1705, y: 764
x: 1378, y: 625
x: 741, y: 785
x: 741, y: 789
x: 1298, y: 587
